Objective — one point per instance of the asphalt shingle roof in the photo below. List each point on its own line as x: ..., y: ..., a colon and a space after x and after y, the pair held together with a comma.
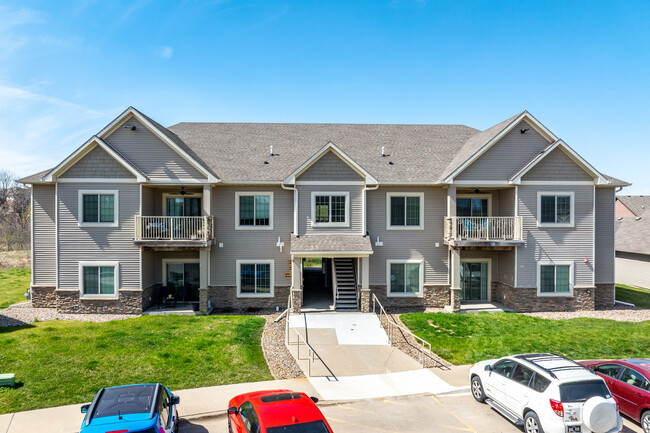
x: 632, y: 234
x: 330, y: 243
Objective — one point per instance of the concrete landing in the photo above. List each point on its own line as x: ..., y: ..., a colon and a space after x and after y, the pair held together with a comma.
x: 480, y: 306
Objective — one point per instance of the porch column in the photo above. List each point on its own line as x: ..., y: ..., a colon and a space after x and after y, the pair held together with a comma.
x: 296, y: 284
x: 454, y: 279
x: 204, y: 266
x: 207, y: 200
x: 365, y: 284
x: 451, y: 201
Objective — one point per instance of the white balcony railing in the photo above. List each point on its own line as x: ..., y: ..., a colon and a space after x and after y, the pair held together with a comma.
x: 173, y: 228
x: 483, y: 229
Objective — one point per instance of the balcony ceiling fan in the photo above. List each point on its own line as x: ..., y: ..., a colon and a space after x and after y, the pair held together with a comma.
x: 182, y: 191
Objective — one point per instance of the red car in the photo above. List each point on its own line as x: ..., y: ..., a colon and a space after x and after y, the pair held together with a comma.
x: 629, y: 382
x: 277, y: 411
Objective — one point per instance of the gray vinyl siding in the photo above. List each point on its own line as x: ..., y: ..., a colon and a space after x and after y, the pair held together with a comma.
x: 507, y: 156
x: 604, y: 262
x: 148, y: 201
x: 556, y: 243
x: 98, y: 164
x: 506, y: 271
x: 506, y: 205
x: 78, y: 244
x: 44, y: 208
x: 304, y: 209
x: 249, y: 244
x: 152, y: 198
x: 633, y: 269
x: 330, y: 167
x: 150, y: 154
x: 557, y: 166
x: 409, y: 244
x: 149, y: 268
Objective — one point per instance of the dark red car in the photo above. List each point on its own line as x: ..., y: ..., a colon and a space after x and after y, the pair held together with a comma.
x: 629, y: 382
x: 277, y: 411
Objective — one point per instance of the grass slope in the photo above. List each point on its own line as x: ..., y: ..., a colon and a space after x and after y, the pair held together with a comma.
x: 468, y: 338
x: 13, y: 285
x: 633, y: 295
x: 66, y: 362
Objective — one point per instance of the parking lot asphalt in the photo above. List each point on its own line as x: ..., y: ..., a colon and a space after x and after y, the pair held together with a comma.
x: 404, y: 414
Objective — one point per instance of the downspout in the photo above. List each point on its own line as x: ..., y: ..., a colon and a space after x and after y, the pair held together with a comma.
x: 295, y: 206
x: 365, y: 213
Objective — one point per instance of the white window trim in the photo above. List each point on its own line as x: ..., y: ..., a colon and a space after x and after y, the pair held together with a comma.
x: 255, y: 262
x: 405, y: 295
x: 555, y: 193
x: 489, y: 273
x: 116, y: 207
x: 487, y: 196
x: 554, y: 263
x: 166, y: 262
x: 116, y: 278
x: 167, y: 195
x: 388, y: 210
x: 345, y: 194
x: 257, y: 193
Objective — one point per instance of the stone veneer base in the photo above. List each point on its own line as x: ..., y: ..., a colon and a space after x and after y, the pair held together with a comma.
x: 129, y: 302
x: 224, y: 298
x: 605, y: 295
x: 434, y: 296
x: 525, y: 300
x: 43, y: 296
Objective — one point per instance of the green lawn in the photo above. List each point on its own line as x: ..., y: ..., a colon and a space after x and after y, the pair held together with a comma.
x: 468, y: 338
x: 14, y: 283
x: 66, y: 362
x: 633, y: 295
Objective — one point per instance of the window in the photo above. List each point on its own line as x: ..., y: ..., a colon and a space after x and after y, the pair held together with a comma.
x: 249, y: 417
x: 255, y: 278
x: 555, y: 279
x: 634, y: 378
x: 522, y: 375
x: 582, y: 391
x: 98, y: 279
x: 98, y: 208
x: 163, y: 408
x: 540, y: 383
x: 504, y: 367
x: 254, y: 210
x: 404, y: 277
x: 473, y: 206
x: 330, y: 209
x: 555, y: 209
x: 182, y: 206
x: 610, y: 370
x: 405, y: 211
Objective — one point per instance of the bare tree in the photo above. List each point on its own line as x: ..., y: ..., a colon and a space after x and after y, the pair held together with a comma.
x: 15, y: 209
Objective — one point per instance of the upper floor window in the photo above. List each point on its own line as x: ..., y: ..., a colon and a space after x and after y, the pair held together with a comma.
x: 254, y: 210
x: 405, y: 211
x: 330, y: 209
x: 98, y: 208
x: 555, y: 279
x: 98, y: 279
x: 555, y: 209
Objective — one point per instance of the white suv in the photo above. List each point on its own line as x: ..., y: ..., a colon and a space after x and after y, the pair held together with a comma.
x: 546, y: 393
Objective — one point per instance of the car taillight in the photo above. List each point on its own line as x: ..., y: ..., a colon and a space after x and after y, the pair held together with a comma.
x: 557, y: 407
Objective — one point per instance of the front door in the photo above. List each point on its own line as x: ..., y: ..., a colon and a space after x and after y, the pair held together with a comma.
x: 474, y: 280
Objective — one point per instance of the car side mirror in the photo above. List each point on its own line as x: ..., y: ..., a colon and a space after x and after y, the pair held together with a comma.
x: 488, y: 368
x: 175, y: 399
x: 85, y: 407
x: 232, y: 410
x: 314, y: 399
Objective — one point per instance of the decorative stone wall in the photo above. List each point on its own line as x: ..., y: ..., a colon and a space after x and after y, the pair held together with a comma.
x: 296, y: 300
x: 224, y: 298
x: 605, y: 295
x: 147, y: 297
x: 204, y: 293
x: 525, y: 300
x: 365, y: 300
x: 455, y: 299
x: 129, y: 302
x: 434, y: 296
x: 43, y: 296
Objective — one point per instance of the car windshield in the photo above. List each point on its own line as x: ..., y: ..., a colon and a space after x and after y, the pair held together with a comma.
x: 583, y: 391
x: 125, y: 400
x: 305, y: 427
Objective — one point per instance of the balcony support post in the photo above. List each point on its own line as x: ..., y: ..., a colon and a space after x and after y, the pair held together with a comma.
x: 454, y: 295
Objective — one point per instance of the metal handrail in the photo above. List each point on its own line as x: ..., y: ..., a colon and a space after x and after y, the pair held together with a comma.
x: 425, y: 348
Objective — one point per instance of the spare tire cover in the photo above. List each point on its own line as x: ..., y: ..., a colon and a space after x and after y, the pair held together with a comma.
x: 599, y: 414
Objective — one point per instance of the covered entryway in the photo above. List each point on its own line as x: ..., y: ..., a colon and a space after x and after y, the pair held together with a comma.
x: 317, y: 283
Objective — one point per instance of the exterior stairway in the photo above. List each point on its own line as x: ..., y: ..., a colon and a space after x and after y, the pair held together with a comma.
x: 346, y: 293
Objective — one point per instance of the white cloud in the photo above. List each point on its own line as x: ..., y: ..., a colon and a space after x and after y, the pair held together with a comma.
x: 165, y: 52
x: 12, y: 18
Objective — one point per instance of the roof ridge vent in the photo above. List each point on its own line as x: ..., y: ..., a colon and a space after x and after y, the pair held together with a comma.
x: 637, y: 218
x: 383, y: 151
x: 271, y: 151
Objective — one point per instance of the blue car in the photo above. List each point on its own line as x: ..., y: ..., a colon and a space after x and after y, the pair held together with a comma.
x: 144, y: 408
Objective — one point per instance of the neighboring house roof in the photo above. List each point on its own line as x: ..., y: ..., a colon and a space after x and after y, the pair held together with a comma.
x: 332, y: 244
x: 632, y: 233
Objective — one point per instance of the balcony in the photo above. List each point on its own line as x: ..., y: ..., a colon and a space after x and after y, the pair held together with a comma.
x: 483, y: 231
x: 173, y: 231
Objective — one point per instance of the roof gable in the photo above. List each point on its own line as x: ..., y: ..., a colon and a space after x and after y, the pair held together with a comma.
x: 330, y: 167
x: 334, y: 150
x: 557, y: 164
x: 97, y: 163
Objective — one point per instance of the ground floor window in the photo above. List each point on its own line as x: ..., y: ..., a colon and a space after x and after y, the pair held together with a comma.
x: 255, y: 278
x: 98, y: 279
x: 404, y: 277
x: 555, y: 279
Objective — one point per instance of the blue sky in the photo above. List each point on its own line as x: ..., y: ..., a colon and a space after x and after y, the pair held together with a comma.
x: 67, y: 68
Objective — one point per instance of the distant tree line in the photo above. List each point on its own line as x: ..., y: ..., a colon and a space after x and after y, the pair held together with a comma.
x: 15, y: 211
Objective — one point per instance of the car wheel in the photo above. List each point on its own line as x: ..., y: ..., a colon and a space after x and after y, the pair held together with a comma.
x: 645, y: 421
x: 477, y: 389
x: 532, y: 424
